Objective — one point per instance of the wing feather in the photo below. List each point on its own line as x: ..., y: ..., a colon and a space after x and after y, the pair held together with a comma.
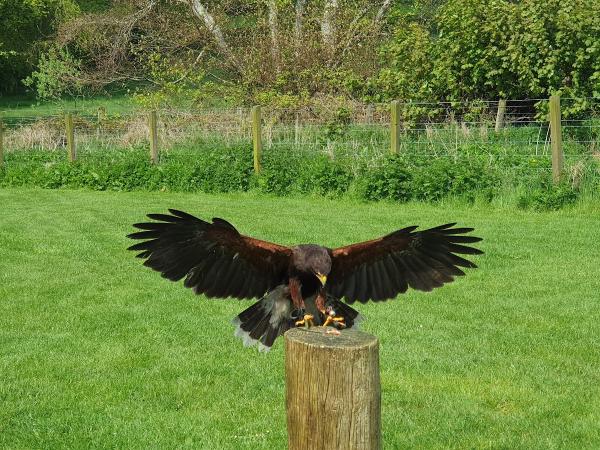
x: 213, y: 258
x: 383, y: 268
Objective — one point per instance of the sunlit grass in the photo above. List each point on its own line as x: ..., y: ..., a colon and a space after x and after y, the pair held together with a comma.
x: 97, y: 351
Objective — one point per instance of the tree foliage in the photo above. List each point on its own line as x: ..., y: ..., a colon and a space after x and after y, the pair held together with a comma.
x: 287, y: 52
x: 493, y: 49
x: 24, y: 24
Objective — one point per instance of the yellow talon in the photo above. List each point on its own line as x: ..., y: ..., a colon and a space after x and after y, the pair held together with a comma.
x: 307, y: 321
x: 338, y: 322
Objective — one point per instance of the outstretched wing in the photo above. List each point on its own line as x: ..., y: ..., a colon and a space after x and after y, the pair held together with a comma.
x: 383, y: 268
x: 215, y: 259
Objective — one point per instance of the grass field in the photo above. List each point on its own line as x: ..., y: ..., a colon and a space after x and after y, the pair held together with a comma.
x: 97, y: 351
x: 18, y: 106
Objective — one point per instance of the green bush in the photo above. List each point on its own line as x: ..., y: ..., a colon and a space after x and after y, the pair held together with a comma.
x: 322, y: 176
x: 548, y: 197
x: 468, y: 173
x: 24, y: 25
x: 392, y: 180
x: 492, y: 49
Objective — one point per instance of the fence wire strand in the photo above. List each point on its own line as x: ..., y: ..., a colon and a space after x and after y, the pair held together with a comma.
x: 434, y: 128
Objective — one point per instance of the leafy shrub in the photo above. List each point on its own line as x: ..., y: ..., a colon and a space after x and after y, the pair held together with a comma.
x: 338, y: 126
x: 390, y: 181
x: 548, y: 197
x: 24, y: 25
x: 279, y: 170
x: 468, y: 173
x: 324, y: 177
x: 57, y: 76
x: 495, y: 49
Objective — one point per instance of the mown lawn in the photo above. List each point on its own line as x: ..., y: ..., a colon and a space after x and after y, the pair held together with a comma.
x: 97, y: 351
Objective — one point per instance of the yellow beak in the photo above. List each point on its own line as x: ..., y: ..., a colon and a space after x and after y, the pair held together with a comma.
x: 322, y: 278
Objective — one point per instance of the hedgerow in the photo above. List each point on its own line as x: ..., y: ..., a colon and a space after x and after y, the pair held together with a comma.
x: 470, y: 173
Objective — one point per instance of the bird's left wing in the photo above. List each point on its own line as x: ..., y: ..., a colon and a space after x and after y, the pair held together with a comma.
x: 385, y: 267
x: 215, y: 259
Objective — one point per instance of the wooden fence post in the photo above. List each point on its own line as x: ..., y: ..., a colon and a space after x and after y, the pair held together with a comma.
x: 256, y: 137
x: 70, y: 137
x: 395, y: 126
x: 333, y: 394
x: 100, y: 117
x: 556, y: 138
x: 369, y: 114
x: 153, y: 125
x: 500, y: 115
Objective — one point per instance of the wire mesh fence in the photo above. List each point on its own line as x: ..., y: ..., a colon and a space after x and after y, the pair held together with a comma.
x: 350, y: 130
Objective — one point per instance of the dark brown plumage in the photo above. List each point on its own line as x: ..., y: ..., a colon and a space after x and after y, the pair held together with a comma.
x: 217, y: 261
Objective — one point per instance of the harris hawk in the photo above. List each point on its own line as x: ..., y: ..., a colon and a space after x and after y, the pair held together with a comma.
x: 300, y: 285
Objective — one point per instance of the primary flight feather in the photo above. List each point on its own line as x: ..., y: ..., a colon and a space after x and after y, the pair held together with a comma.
x: 303, y: 282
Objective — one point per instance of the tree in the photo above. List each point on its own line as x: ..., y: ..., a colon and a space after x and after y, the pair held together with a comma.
x: 24, y: 26
x: 490, y: 49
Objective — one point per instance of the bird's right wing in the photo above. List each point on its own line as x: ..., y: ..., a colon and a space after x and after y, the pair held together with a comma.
x: 385, y: 267
x: 215, y: 259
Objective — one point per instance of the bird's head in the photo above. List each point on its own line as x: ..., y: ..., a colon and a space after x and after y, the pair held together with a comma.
x: 321, y: 265
x: 310, y: 258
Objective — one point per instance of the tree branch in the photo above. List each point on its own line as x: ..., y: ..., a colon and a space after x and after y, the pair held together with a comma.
x: 300, y: 6
x: 202, y: 13
x: 327, y: 25
x: 382, y: 11
x: 272, y: 5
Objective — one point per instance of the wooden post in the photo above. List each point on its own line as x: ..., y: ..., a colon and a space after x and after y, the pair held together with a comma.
x: 70, y: 137
x: 369, y: 114
x: 297, y: 128
x: 153, y: 125
x: 556, y: 138
x: 333, y: 395
x: 500, y: 115
x: 395, y: 127
x: 100, y: 117
x: 256, y: 137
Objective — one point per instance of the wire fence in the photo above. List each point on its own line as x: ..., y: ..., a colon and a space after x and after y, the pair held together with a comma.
x: 435, y: 129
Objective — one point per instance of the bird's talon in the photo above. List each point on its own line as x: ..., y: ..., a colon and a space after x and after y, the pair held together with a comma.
x: 339, y: 322
x: 307, y: 321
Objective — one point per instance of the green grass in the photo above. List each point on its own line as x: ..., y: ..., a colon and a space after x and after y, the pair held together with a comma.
x: 28, y: 107
x: 97, y: 351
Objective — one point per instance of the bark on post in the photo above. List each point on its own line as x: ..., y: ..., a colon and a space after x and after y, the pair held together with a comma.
x: 256, y: 137
x: 70, y: 132
x: 153, y: 127
x: 395, y: 126
x: 500, y: 115
x: 101, y: 115
x: 333, y: 396
x: 556, y: 138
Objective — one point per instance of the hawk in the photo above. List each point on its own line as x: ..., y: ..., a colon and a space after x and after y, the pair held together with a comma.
x: 305, y: 284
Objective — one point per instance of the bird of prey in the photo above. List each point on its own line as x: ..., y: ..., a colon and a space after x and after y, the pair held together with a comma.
x: 301, y: 285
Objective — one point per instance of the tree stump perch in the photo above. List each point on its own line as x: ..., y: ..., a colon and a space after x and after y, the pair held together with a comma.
x: 333, y: 396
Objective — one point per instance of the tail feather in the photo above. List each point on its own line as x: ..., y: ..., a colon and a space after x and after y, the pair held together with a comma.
x: 263, y: 322
x: 246, y: 314
x: 261, y: 327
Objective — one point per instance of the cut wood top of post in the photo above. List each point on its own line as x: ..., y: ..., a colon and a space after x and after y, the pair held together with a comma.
x: 318, y: 338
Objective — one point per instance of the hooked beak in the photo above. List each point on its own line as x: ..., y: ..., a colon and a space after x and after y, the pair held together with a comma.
x: 322, y: 278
